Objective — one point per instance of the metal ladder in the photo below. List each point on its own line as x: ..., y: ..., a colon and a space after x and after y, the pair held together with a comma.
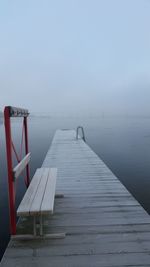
x: 77, y: 133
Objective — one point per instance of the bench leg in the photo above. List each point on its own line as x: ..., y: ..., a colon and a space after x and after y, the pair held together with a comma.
x: 41, y: 225
x: 59, y: 195
x: 34, y: 225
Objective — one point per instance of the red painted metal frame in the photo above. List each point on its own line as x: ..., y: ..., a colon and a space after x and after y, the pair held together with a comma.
x: 8, y: 113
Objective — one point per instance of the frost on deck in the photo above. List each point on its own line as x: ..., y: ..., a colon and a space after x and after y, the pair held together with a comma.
x: 104, y: 224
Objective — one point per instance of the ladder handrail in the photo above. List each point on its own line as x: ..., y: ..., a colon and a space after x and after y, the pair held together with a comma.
x: 77, y: 133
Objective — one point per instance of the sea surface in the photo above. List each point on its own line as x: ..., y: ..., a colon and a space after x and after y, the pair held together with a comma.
x: 122, y: 143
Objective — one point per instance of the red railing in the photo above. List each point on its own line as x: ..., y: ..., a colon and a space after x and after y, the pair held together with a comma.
x: 22, y: 163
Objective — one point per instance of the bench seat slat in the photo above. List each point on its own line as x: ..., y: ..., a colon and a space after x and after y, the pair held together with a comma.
x: 49, y: 195
x: 39, y: 197
x: 27, y: 200
x: 36, y: 204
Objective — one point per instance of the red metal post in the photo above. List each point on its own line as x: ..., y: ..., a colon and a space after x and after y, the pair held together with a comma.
x: 12, y: 209
x: 26, y: 148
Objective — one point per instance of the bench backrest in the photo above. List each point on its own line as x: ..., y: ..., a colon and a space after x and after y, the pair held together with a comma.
x: 21, y: 166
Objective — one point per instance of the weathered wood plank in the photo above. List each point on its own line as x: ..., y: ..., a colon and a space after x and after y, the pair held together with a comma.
x: 104, y: 260
x: 21, y: 165
x: 28, y: 198
x: 39, y: 197
x: 49, y: 195
x: 105, y: 225
x: 37, y: 201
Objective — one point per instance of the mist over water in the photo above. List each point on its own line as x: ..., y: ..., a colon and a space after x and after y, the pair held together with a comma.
x: 76, y: 57
x: 122, y: 143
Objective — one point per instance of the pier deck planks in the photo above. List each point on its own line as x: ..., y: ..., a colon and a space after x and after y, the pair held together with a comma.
x: 104, y: 225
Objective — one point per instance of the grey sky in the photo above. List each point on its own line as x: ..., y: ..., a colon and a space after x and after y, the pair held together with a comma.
x: 89, y: 55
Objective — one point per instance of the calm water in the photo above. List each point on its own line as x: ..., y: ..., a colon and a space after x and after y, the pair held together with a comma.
x: 123, y: 144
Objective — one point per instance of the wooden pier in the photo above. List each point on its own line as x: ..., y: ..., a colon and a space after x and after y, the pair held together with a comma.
x: 104, y: 225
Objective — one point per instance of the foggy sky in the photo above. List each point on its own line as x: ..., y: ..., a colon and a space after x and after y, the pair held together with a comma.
x: 75, y: 57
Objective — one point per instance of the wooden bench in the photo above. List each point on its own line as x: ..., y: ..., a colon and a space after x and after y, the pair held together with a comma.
x: 39, y: 197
